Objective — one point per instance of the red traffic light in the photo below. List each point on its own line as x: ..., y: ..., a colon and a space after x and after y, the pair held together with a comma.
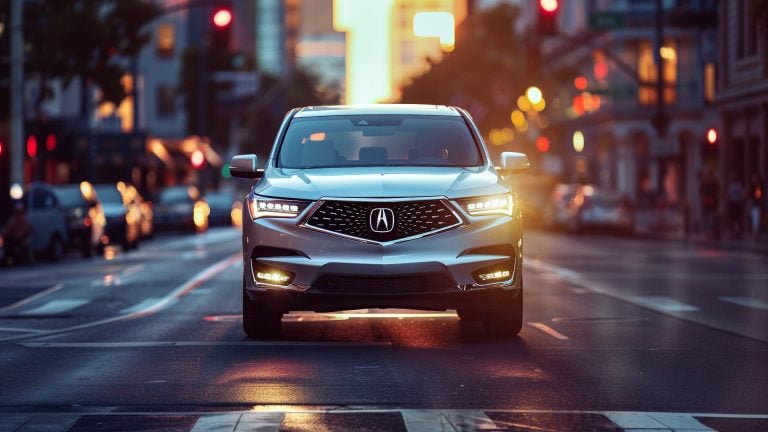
x: 222, y: 17
x: 549, y: 5
x: 712, y: 136
x: 50, y: 142
x: 32, y: 146
x: 542, y: 144
x: 197, y: 159
x: 2, y: 144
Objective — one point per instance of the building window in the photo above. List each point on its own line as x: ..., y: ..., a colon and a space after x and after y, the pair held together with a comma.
x: 709, y: 82
x: 647, y: 73
x: 165, y: 101
x: 165, y: 40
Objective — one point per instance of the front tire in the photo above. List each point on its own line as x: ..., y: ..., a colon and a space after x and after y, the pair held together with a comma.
x: 505, y: 320
x: 259, y: 321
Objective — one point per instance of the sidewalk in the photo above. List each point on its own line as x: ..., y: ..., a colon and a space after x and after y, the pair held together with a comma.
x: 669, y: 225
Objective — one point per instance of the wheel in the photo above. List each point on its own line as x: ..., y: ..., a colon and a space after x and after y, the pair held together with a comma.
x: 470, y: 314
x: 259, y: 321
x: 506, y: 319
x: 56, y: 248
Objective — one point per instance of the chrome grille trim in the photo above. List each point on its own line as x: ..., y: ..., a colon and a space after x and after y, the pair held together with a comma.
x: 460, y: 221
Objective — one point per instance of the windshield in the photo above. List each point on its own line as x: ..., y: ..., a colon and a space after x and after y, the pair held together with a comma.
x: 109, y: 194
x: 69, y: 196
x: 378, y: 140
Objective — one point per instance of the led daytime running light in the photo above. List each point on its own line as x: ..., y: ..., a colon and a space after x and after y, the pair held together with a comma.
x: 260, y: 207
x: 490, y: 205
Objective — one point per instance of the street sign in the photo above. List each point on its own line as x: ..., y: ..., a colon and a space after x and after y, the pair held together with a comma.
x: 606, y: 20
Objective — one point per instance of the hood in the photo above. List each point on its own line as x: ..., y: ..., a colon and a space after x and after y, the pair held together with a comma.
x: 380, y: 182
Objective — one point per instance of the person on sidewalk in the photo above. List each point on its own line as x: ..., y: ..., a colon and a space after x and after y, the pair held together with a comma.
x: 710, y: 190
x: 756, y: 199
x: 734, y: 198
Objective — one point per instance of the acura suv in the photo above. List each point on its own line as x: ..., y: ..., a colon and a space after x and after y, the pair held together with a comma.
x: 383, y: 206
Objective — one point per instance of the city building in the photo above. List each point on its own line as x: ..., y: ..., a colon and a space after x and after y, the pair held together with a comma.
x: 742, y: 92
x: 605, y: 122
x: 321, y: 49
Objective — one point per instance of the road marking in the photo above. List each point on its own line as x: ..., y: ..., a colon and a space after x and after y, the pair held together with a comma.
x: 446, y: 420
x: 34, y: 297
x: 219, y: 422
x: 548, y: 330
x: 657, y: 421
x: 55, y: 307
x: 664, y: 304
x: 182, y: 290
x: 746, y: 302
x: 145, y: 304
x: 164, y: 344
x: 260, y: 421
x: 19, y: 330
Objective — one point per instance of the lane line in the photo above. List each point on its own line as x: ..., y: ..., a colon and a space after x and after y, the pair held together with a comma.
x: 19, y: 330
x: 173, y: 344
x: 681, y: 422
x: 746, y: 302
x: 34, y: 297
x: 260, y: 421
x: 219, y: 422
x: 55, y: 307
x: 144, y: 304
x: 664, y: 304
x: 548, y: 330
x: 635, y: 420
x: 424, y: 421
x: 182, y: 290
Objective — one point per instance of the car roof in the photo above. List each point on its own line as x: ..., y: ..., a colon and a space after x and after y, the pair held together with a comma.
x: 391, y: 109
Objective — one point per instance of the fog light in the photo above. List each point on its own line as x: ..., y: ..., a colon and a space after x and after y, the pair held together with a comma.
x: 272, y: 276
x: 490, y: 275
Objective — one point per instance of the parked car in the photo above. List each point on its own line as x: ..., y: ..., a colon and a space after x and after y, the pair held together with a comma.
x: 221, y: 208
x: 579, y: 207
x: 123, y: 219
x: 134, y: 201
x: 181, y: 208
x: 85, y: 217
x: 48, y: 220
x: 385, y: 206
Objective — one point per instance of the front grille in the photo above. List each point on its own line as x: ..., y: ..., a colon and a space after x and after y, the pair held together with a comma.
x: 384, y: 285
x: 409, y: 218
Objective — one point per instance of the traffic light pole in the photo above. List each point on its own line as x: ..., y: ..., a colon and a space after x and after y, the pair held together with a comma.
x: 17, y: 93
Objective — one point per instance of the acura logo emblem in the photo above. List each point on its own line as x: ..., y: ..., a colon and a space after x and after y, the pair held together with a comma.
x: 382, y: 220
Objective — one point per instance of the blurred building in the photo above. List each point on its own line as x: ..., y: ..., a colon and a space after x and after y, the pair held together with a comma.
x: 321, y: 49
x: 277, y: 30
x: 390, y: 41
x: 742, y: 98
x: 603, y: 76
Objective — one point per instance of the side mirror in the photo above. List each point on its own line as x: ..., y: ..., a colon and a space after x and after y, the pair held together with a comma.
x: 513, y: 163
x: 244, y: 166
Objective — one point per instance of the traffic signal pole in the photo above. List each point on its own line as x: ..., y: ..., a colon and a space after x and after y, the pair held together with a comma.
x: 17, y: 93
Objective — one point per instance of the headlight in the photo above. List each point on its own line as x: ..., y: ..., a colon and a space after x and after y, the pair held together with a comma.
x: 489, y: 205
x: 270, y: 207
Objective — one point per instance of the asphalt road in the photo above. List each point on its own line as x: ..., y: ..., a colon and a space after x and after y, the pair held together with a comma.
x: 620, y: 334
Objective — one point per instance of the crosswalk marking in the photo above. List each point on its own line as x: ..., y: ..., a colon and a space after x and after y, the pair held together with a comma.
x: 746, y: 302
x: 216, y: 423
x: 548, y: 330
x: 54, y: 307
x: 631, y: 421
x: 260, y: 421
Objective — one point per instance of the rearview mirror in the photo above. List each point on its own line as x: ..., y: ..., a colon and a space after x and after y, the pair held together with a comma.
x: 513, y: 163
x: 244, y: 166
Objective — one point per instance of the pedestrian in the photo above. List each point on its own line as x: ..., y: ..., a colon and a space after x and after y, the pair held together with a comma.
x: 735, y: 196
x: 16, y: 235
x: 756, y: 197
x: 710, y: 190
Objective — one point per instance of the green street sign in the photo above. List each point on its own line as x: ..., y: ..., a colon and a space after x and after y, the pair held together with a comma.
x: 606, y: 20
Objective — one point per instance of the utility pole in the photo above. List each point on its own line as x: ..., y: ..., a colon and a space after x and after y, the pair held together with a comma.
x: 17, y: 92
x: 660, y: 119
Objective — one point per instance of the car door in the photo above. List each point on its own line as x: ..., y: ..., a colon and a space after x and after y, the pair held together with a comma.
x: 45, y: 217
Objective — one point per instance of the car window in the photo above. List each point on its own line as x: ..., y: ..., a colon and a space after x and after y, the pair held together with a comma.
x: 43, y: 199
x: 174, y: 196
x: 109, y: 195
x: 378, y: 140
x: 69, y: 196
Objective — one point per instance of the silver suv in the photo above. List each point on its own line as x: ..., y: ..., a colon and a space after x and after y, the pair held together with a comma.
x: 385, y: 206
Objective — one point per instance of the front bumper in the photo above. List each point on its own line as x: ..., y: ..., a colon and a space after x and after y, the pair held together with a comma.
x: 335, y: 273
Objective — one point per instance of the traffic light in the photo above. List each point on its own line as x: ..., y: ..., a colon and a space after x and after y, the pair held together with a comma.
x: 2, y: 148
x: 32, y: 146
x: 221, y: 27
x: 547, y: 17
x: 197, y: 159
x: 50, y: 142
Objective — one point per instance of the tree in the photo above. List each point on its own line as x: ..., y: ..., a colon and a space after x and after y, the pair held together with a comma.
x: 486, y: 70
x: 86, y: 39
